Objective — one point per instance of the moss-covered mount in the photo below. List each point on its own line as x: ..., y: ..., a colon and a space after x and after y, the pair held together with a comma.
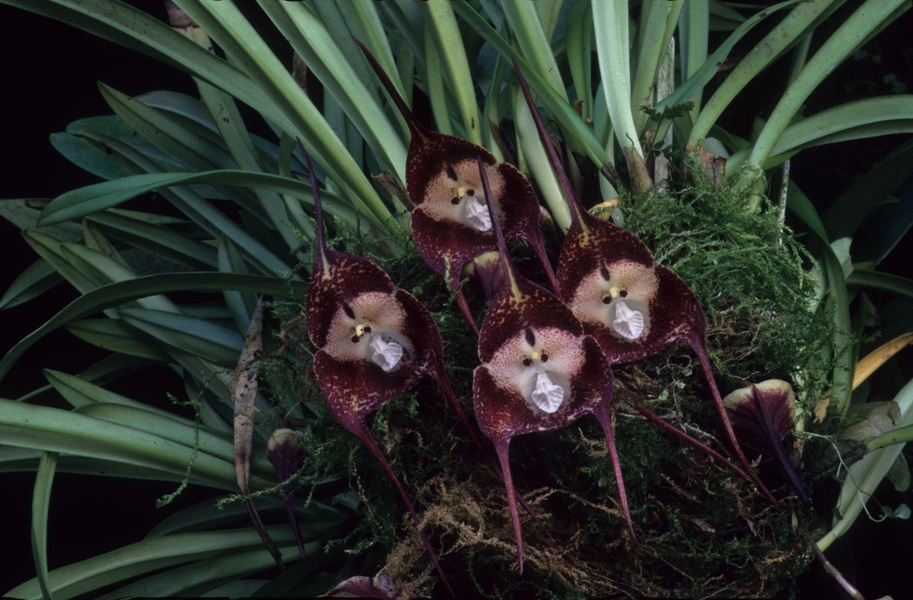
x: 702, y: 530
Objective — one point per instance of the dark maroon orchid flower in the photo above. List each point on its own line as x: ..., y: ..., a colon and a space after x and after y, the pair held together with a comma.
x: 540, y: 371
x: 375, y: 342
x: 285, y: 452
x: 763, y: 414
x: 633, y: 307
x: 451, y: 221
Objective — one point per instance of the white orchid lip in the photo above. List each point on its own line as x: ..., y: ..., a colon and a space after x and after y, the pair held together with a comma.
x: 546, y: 395
x: 385, y: 353
x: 628, y: 323
x: 477, y: 215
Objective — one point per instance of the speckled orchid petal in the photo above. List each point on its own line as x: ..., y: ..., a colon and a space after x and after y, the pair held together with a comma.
x: 451, y: 221
x: 602, y: 264
x: 539, y: 372
x: 762, y: 414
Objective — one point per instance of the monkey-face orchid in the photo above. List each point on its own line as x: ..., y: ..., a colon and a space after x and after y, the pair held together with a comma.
x: 633, y: 307
x: 375, y: 342
x: 452, y: 221
x: 540, y: 372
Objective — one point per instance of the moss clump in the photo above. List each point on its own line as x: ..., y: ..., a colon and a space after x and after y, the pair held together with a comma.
x: 750, y: 275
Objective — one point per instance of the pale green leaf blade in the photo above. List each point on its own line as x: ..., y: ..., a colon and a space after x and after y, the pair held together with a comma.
x: 41, y: 502
x: 115, y: 294
x: 206, y: 340
x: 35, y: 280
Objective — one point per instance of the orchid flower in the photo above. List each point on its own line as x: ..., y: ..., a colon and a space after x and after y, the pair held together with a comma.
x: 375, y: 342
x: 539, y: 370
x: 632, y: 306
x: 451, y: 221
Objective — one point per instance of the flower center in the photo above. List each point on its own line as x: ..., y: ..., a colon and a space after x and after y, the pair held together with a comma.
x: 628, y: 323
x: 475, y: 209
x: 385, y: 353
x: 546, y: 394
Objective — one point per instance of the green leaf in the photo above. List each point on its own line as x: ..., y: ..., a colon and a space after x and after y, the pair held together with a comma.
x: 244, y: 46
x: 867, y: 18
x: 778, y: 40
x: 577, y: 134
x: 240, y: 304
x: 84, y: 201
x: 35, y: 280
x: 852, y: 206
x: 115, y: 294
x: 79, y: 393
x: 204, y: 576
x: 799, y: 204
x: 864, y: 476
x: 141, y: 558
x: 886, y: 282
x: 207, y: 340
x: 55, y: 430
x: 50, y: 249
x: 140, y: 231
x: 116, y: 336
x: 870, y: 117
x: 324, y: 57
x: 842, y: 342
x: 41, y: 502
x: 177, y: 429
x: 442, y: 27
x: 189, y: 145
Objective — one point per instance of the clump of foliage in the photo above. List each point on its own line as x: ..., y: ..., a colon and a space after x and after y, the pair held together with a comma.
x: 179, y: 289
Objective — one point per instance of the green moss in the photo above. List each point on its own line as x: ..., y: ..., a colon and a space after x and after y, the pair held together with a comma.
x: 750, y: 275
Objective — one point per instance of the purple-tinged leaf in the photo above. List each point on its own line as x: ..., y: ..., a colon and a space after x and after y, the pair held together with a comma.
x: 539, y: 372
x: 763, y: 414
x: 633, y: 307
x: 243, y: 390
x: 451, y: 221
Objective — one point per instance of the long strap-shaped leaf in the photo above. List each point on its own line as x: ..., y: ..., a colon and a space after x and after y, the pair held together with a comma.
x: 84, y: 201
x: 266, y: 86
x: 148, y: 556
x: 115, y: 294
x: 328, y: 62
x: 583, y: 139
x: 55, y: 430
x: 235, y: 34
x: 868, y: 18
x: 871, y: 117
